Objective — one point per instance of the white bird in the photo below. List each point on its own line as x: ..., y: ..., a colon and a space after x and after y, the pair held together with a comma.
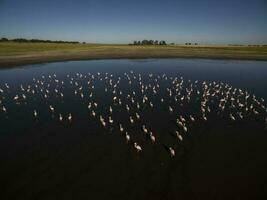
x: 172, y: 152
x: 35, y: 113
x: 170, y: 109
x: 93, y: 113
x: 152, y: 138
x: 179, y: 136
x: 180, y: 124
x: 255, y: 112
x: 127, y: 136
x: 145, y: 129
x: 137, y: 147
x: 131, y: 120
x: 232, y: 117
x: 4, y: 108
x: 16, y: 97
x: 185, y: 128
x: 182, y: 119
x: 192, y: 118
x: 121, y: 128
x: 103, y: 123
x: 60, y: 117
x: 70, y: 117
x: 110, y: 120
x: 127, y: 108
x: 51, y: 108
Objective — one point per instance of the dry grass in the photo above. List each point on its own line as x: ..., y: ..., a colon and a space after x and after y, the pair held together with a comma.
x: 13, y: 54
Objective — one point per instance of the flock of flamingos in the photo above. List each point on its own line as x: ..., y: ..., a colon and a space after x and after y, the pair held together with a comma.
x: 134, y: 94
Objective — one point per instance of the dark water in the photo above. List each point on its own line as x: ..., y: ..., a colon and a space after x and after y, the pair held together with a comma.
x: 43, y: 158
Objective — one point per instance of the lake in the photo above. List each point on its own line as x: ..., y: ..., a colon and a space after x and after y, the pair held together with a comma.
x: 60, y: 135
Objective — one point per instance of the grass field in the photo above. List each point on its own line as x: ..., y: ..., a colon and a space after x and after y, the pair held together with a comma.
x: 14, y: 54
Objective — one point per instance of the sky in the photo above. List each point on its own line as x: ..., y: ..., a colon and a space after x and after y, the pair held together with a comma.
x: 123, y: 21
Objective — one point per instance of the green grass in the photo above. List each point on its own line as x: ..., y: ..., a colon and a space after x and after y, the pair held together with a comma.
x: 14, y: 48
x: 13, y: 53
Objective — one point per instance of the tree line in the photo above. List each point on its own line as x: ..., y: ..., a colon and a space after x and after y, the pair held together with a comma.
x: 36, y: 40
x: 149, y: 42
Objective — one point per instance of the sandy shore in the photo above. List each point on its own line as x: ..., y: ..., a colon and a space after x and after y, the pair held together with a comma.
x: 23, y: 54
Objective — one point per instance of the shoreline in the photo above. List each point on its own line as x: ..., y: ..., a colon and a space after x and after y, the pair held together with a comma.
x: 20, y: 57
x: 36, y: 62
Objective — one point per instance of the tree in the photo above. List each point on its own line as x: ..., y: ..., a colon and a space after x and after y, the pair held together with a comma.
x: 145, y: 42
x: 151, y: 42
x: 162, y: 42
x: 4, y: 40
x: 20, y: 40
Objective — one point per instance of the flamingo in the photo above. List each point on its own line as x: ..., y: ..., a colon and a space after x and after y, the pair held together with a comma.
x: 70, y: 117
x: 131, y: 120
x: 35, y: 113
x: 152, y: 138
x: 145, y: 129
x: 232, y: 117
x: 127, y: 136
x: 121, y: 128
x: 137, y: 147
x: 52, y: 108
x: 172, y: 152
x: 179, y: 136
x: 3, y: 108
x: 110, y: 120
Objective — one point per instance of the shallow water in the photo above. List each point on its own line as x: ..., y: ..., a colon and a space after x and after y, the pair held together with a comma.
x: 45, y: 159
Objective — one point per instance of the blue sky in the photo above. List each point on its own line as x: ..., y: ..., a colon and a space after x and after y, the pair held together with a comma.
x: 122, y: 21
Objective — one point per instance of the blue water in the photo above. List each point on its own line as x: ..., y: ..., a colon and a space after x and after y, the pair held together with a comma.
x: 45, y: 159
x: 250, y: 75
